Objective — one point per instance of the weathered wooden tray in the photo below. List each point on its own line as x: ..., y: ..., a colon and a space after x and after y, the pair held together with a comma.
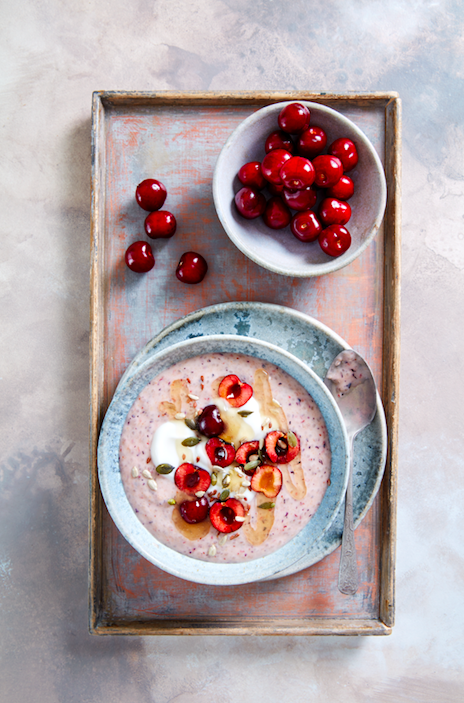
x: 176, y: 138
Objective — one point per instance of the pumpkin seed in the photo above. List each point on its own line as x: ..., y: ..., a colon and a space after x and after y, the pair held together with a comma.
x: 266, y: 506
x: 224, y: 495
x: 191, y: 424
x: 226, y: 481
x: 245, y: 413
x: 190, y: 442
x: 171, y: 501
x: 164, y: 468
x: 214, y: 478
x: 251, y: 465
x: 292, y: 440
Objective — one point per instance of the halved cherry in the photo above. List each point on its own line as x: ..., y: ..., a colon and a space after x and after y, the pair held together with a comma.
x: 190, y: 479
x: 223, y: 515
x: 247, y: 452
x: 220, y: 453
x: 267, y: 479
x: 281, y: 448
x: 235, y: 391
x: 210, y: 422
x: 193, y: 511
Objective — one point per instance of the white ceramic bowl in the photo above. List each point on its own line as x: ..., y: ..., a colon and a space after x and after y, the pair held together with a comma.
x: 184, y: 566
x: 279, y: 250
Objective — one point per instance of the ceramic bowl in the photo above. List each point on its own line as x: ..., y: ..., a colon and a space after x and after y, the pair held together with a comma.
x: 167, y: 559
x: 278, y: 250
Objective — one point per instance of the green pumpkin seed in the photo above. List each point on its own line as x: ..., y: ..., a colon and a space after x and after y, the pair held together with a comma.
x: 291, y: 439
x: 251, y: 465
x: 214, y: 478
x: 245, y: 413
x: 164, y: 468
x: 224, y: 495
x: 171, y: 501
x: 190, y: 442
x: 226, y: 481
x: 191, y: 424
x: 266, y: 506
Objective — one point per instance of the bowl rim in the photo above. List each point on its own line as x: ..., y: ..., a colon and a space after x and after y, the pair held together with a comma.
x: 317, y: 269
x: 141, y: 539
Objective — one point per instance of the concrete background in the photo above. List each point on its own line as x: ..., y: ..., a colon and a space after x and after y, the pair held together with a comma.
x: 53, y: 55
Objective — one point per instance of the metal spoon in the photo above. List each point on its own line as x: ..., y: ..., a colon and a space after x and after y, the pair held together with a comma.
x: 352, y: 385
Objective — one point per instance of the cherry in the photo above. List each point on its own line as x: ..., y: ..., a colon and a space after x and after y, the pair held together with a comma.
x: 193, y: 511
x: 300, y: 199
x: 334, y: 212
x: 305, y: 226
x: 328, y: 169
x: 139, y: 257
x: 335, y: 240
x: 312, y: 141
x: 245, y: 452
x: 294, y: 118
x: 272, y: 163
x: 279, y: 140
x: 250, y: 203
x: 191, y: 268
x: 222, y: 515
x: 150, y: 194
x: 220, y: 453
x: 275, y: 189
x: 160, y: 224
x: 251, y: 175
x: 235, y: 391
x: 210, y: 422
x: 191, y: 479
x: 343, y: 189
x: 276, y: 215
x: 267, y: 479
x: 297, y: 173
x: 279, y: 449
x: 346, y: 151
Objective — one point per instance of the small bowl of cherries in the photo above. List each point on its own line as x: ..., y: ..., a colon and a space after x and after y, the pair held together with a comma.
x: 299, y: 189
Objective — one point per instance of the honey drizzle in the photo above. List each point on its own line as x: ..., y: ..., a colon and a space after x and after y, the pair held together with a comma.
x: 264, y: 522
x: 179, y: 399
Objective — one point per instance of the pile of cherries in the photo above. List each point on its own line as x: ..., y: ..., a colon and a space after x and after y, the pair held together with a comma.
x: 228, y: 514
x: 294, y: 170
x: 150, y: 194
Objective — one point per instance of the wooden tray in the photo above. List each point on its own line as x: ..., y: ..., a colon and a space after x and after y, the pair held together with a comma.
x: 177, y: 138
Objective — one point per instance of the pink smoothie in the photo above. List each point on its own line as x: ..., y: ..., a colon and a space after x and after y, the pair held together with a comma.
x: 305, y: 479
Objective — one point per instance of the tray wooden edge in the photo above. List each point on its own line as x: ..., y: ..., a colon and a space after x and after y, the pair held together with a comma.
x: 391, y: 102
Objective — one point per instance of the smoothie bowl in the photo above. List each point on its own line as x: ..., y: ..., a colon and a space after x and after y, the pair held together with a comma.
x: 222, y: 458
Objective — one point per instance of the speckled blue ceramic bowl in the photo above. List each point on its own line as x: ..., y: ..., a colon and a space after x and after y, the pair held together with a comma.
x: 183, y: 566
x: 279, y: 250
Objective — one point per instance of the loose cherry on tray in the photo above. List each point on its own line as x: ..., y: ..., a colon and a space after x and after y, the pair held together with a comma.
x: 276, y: 215
x: 334, y: 212
x: 223, y: 515
x: 139, y: 257
x: 297, y: 173
x: 235, y: 391
x: 191, y: 479
x: 305, y: 226
x: 192, y: 268
x: 279, y: 448
x: 220, y: 453
x: 193, y: 511
x: 150, y: 194
x: 251, y: 175
x: 272, y: 163
x: 346, y: 151
x: 343, y: 189
x: 210, y: 422
x: 335, y: 240
x: 294, y: 118
x: 267, y: 479
x: 279, y: 140
x: 329, y: 170
x: 160, y: 224
x: 300, y: 199
x: 250, y: 202
x: 312, y: 141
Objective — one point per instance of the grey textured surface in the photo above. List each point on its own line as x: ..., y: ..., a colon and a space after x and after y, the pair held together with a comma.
x: 54, y: 55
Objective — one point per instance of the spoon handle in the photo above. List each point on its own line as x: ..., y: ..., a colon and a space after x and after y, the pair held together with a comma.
x: 348, y: 570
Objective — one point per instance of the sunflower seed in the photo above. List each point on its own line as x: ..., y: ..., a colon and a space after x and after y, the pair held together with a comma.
x: 200, y: 494
x: 135, y: 472
x: 261, y: 443
x: 238, y: 518
x: 192, y: 396
x: 292, y: 440
x: 146, y: 474
x: 180, y: 416
x: 212, y: 551
x: 222, y: 540
x: 246, y: 483
x: 152, y: 484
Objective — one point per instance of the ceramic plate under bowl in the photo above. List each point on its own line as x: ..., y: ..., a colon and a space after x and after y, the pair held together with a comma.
x: 194, y: 569
x: 279, y: 250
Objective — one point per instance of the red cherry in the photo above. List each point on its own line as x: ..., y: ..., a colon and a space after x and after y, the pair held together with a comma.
x: 300, y: 199
x: 272, y: 163
x: 346, y: 151
x: 222, y: 515
x: 245, y: 452
x: 267, y: 479
x: 276, y: 215
x: 139, y: 257
x: 251, y: 175
x: 279, y: 140
x: 150, y: 194
x: 343, y: 189
x: 193, y: 511
x: 294, y: 118
x: 334, y: 212
x: 335, y: 240
x: 235, y: 391
x: 250, y: 203
x: 210, y: 422
x: 297, y: 173
x: 160, y: 224
x: 305, y: 226
x: 328, y: 169
x: 275, y: 189
x: 191, y: 268
x: 312, y: 141
x: 190, y: 479
x: 220, y: 453
x: 278, y: 448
